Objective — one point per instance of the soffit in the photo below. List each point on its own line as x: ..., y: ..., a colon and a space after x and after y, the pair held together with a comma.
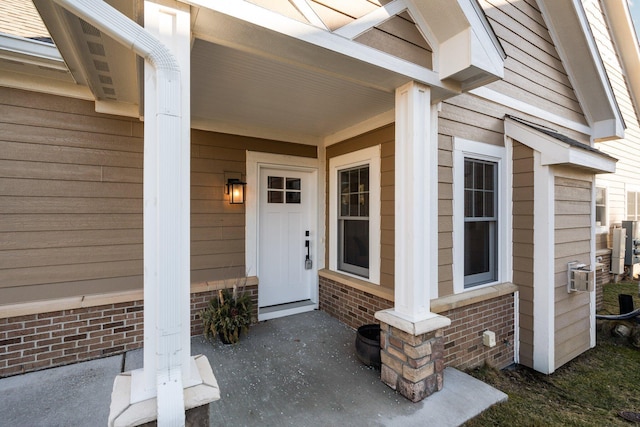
x: 237, y: 90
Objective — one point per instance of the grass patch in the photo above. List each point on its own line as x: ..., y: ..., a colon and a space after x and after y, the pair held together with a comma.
x: 588, y: 391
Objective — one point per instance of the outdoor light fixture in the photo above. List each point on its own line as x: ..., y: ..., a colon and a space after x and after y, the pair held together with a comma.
x: 235, y: 190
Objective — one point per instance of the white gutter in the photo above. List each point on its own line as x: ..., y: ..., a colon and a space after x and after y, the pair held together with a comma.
x: 166, y: 352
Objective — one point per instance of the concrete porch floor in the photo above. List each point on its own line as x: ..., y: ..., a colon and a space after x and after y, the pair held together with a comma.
x: 299, y: 370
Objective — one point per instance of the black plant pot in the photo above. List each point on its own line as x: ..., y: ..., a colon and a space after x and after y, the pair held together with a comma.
x: 368, y: 345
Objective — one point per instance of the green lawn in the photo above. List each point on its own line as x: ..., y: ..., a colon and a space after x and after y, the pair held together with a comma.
x: 589, y: 391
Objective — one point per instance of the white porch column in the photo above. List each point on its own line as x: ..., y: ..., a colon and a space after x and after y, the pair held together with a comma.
x: 416, y: 202
x: 167, y: 347
x: 416, y: 212
x: 411, y: 322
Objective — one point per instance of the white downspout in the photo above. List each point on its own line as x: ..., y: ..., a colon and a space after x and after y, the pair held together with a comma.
x: 168, y: 352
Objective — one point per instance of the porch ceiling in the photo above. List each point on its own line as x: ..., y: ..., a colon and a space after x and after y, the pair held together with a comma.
x: 240, y: 92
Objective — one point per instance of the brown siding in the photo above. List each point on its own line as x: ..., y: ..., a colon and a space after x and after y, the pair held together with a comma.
x: 445, y: 215
x: 572, y: 243
x: 385, y: 137
x: 533, y: 70
x: 71, y: 199
x: 217, y: 228
x: 400, y: 37
x: 523, y: 245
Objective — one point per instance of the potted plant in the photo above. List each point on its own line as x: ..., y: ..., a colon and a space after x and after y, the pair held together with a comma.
x: 227, y: 315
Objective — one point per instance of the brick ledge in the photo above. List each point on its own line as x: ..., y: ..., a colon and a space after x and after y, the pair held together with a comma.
x: 440, y: 305
x: 84, y: 301
x: 361, y: 285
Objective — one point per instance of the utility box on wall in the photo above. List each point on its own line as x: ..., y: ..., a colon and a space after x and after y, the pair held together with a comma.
x: 618, y: 250
x: 632, y: 242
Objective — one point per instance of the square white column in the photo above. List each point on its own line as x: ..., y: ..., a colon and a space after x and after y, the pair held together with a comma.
x: 416, y: 212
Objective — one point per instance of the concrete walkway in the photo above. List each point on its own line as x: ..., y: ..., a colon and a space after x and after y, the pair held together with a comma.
x: 294, y: 371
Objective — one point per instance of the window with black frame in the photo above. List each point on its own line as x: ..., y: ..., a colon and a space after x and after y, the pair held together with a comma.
x: 480, y: 222
x: 353, y: 220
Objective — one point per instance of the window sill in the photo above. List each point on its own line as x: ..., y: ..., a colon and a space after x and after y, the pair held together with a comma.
x: 361, y: 285
x: 440, y: 305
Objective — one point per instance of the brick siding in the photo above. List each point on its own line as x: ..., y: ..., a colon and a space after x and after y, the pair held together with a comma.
x: 462, y: 340
x: 463, y: 346
x: 349, y: 305
x: 45, y: 340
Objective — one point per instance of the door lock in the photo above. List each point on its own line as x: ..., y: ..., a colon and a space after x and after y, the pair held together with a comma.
x: 307, y: 261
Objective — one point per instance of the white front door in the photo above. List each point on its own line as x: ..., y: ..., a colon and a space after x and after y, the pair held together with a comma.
x: 287, y: 200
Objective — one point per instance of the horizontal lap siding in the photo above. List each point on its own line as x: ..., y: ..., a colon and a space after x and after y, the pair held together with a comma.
x: 523, y: 245
x: 572, y: 243
x: 70, y: 198
x: 626, y: 167
x: 533, y: 70
x: 217, y: 227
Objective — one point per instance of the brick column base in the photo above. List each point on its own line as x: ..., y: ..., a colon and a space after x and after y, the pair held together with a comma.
x: 412, y: 365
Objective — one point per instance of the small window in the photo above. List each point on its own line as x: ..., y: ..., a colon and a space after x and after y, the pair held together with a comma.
x: 283, y: 190
x: 601, y: 209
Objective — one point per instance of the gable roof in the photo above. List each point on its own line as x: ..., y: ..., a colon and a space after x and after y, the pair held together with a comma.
x: 576, y: 46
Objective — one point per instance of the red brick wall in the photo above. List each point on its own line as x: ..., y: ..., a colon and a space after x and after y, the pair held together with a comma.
x: 45, y: 340
x: 462, y: 340
x: 349, y: 305
x: 463, y: 346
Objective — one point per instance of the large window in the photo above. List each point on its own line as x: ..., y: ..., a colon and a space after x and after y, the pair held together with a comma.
x: 354, y: 214
x: 480, y: 222
x: 353, y: 221
x: 481, y: 215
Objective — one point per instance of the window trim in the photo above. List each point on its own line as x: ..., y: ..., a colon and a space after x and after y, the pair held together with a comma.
x: 630, y: 188
x: 370, y: 156
x: 466, y: 149
x: 603, y: 228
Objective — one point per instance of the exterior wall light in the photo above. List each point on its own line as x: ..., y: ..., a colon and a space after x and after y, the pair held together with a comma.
x: 235, y: 189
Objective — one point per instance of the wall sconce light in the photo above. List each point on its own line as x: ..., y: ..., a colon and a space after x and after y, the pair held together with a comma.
x: 235, y: 189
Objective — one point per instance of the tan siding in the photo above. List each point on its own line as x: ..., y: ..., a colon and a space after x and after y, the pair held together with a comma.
x: 571, y: 310
x: 523, y: 245
x: 533, y: 70
x: 400, y: 37
x: 626, y: 168
x: 385, y: 138
x: 445, y: 213
x: 337, y: 13
x: 71, y: 199
x: 20, y: 18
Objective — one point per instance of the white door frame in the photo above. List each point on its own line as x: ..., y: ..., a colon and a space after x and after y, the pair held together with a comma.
x: 255, y: 162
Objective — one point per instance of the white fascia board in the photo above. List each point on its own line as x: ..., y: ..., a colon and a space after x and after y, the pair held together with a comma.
x: 260, y: 17
x: 625, y: 43
x: 555, y: 152
x: 31, y: 51
x: 44, y: 85
x: 574, y: 41
x: 473, y: 50
x: 308, y: 12
x: 371, y: 19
